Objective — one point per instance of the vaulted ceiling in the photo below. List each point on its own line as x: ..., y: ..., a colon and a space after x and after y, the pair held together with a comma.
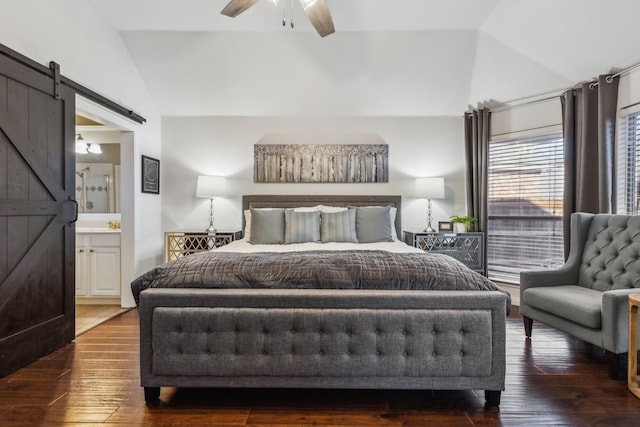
x: 386, y: 58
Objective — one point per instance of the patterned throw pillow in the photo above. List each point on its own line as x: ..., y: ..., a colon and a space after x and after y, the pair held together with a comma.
x: 301, y: 227
x: 338, y: 226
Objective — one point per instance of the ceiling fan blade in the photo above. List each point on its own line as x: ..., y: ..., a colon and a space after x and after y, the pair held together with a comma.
x: 318, y: 13
x: 236, y: 7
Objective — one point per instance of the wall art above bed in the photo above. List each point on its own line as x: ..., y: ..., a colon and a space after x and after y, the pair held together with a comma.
x: 321, y: 163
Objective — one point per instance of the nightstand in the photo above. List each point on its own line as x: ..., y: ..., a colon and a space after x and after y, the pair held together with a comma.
x: 182, y: 243
x: 467, y: 248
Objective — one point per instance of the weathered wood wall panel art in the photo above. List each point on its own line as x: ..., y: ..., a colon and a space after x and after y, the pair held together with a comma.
x: 321, y: 163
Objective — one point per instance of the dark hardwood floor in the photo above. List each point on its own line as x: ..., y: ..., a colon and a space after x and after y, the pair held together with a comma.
x: 551, y: 380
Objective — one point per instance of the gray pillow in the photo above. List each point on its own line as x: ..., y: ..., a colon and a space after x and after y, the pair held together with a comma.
x: 373, y: 224
x: 267, y: 226
x: 301, y: 227
x: 338, y: 226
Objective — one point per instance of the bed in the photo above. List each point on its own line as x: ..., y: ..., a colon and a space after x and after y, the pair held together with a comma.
x: 327, y: 314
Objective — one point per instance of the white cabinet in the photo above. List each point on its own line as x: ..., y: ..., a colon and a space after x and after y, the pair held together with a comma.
x: 97, y: 265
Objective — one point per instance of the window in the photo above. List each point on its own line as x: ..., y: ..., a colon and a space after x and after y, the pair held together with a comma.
x: 524, y: 230
x: 629, y: 164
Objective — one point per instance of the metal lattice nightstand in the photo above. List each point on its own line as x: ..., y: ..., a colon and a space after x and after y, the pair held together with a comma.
x: 467, y: 248
x: 179, y: 244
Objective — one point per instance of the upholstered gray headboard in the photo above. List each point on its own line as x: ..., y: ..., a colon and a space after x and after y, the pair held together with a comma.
x: 286, y: 201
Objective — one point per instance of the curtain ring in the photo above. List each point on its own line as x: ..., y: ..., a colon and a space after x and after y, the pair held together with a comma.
x: 609, y: 79
x: 592, y: 85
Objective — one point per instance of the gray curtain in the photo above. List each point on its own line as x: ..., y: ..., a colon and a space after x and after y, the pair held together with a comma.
x: 476, y: 135
x: 589, y: 125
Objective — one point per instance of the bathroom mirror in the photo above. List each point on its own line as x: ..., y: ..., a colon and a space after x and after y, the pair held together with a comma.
x: 97, y: 169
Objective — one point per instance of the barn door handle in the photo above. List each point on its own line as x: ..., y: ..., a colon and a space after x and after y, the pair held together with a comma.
x: 70, y: 211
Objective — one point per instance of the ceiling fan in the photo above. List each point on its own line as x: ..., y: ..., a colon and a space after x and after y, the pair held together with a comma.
x: 316, y: 10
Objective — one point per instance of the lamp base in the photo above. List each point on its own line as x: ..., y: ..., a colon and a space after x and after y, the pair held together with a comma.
x: 211, y: 229
x: 429, y: 228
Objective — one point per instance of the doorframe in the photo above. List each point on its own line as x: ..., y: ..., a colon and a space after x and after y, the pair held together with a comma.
x: 127, y: 128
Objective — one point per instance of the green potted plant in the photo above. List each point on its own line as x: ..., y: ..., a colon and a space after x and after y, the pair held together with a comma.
x: 465, y: 223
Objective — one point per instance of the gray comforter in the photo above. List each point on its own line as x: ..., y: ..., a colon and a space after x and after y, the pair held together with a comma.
x: 315, y: 270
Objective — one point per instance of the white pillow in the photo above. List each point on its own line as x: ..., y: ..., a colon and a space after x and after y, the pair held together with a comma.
x: 331, y: 209
x: 394, y: 233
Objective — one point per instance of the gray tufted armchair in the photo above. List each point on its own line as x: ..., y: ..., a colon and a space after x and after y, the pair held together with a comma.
x: 588, y: 296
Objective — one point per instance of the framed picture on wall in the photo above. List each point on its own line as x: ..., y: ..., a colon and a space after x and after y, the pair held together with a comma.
x: 150, y: 175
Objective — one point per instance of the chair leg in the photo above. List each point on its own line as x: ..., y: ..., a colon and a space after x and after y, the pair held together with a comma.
x: 617, y: 364
x: 528, y: 324
x: 492, y: 397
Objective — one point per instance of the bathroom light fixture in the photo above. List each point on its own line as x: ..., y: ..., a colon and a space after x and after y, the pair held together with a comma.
x: 94, y: 148
x: 82, y: 147
x: 430, y: 188
x: 211, y: 187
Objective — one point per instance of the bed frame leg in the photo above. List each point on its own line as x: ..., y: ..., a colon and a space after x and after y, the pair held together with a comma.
x: 492, y: 397
x: 151, y: 394
x: 528, y: 325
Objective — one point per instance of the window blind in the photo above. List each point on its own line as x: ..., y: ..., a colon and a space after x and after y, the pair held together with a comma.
x: 628, y: 187
x: 525, y: 198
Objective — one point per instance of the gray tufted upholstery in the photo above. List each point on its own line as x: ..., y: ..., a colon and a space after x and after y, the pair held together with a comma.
x: 611, y: 255
x: 358, y: 339
x: 320, y: 342
x: 588, y: 296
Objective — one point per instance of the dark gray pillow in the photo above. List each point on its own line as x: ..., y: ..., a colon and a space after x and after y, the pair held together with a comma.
x: 301, y: 227
x: 373, y: 224
x: 267, y: 226
x: 338, y: 226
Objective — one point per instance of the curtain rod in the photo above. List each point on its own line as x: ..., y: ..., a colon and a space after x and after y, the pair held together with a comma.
x: 547, y: 96
x: 53, y: 71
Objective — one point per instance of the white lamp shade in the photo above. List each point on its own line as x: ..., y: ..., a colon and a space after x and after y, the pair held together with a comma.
x: 430, y: 188
x: 211, y: 186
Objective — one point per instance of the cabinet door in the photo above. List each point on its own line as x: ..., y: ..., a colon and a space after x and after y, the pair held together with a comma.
x: 104, y: 271
x: 81, y: 270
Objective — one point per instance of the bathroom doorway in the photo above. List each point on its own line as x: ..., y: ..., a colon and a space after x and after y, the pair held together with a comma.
x: 98, y: 229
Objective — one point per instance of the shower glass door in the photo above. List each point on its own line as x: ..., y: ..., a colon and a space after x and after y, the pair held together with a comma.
x: 94, y: 187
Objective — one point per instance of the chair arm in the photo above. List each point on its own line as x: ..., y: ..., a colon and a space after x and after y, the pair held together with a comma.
x: 565, y: 275
x: 569, y: 272
x: 615, y: 319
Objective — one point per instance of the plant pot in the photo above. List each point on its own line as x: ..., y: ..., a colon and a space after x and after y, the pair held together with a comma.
x: 459, y: 227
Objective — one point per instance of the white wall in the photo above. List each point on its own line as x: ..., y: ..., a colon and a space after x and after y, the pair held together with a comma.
x: 530, y: 119
x: 418, y: 146
x: 546, y: 115
x: 629, y: 92
x: 237, y: 73
x: 91, y: 53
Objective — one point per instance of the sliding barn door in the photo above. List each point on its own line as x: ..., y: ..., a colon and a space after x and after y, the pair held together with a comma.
x: 37, y: 165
